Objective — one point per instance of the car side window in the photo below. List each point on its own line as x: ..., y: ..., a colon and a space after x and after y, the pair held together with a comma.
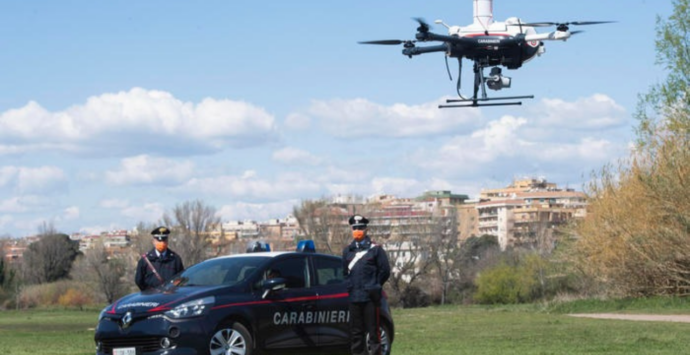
x: 293, y: 270
x: 329, y: 271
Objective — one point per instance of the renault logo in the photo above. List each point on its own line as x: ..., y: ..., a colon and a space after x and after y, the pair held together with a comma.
x: 127, y: 320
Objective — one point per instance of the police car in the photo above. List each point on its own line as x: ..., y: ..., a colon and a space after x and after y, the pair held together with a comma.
x: 254, y: 303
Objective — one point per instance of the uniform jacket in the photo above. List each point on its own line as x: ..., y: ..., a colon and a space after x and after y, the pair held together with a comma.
x: 167, y: 266
x: 365, y: 280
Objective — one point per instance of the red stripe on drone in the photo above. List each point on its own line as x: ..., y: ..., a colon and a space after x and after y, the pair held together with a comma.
x: 490, y: 34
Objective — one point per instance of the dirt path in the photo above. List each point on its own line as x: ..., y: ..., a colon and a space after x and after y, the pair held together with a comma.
x: 638, y: 317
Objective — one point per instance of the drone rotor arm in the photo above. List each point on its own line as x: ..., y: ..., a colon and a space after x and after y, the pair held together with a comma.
x: 421, y: 50
x: 430, y: 36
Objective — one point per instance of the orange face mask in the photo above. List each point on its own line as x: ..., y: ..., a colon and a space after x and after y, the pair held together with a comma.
x: 161, y: 246
x: 358, y: 235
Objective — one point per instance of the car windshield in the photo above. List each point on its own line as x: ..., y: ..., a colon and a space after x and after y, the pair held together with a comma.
x: 217, y: 272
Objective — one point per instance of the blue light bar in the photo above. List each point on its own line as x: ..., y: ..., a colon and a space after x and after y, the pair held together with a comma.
x: 306, y: 246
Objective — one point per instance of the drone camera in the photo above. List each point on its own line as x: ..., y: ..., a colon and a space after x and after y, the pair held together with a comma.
x: 496, y: 81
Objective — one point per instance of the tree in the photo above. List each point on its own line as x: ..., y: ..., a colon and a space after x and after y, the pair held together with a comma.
x: 106, y: 273
x: 665, y: 109
x: 141, y: 239
x: 636, y: 235
x: 445, y: 250
x: 325, y: 223
x: 191, y: 223
x: 410, y: 255
x: 2, y: 263
x: 50, y: 258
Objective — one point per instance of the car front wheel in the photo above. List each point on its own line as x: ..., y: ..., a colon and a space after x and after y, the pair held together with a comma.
x: 231, y: 339
x: 385, y: 340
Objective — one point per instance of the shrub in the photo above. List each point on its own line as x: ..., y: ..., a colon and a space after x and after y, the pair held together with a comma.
x: 73, y: 298
x: 414, y: 297
x: 50, y: 294
x: 506, y: 284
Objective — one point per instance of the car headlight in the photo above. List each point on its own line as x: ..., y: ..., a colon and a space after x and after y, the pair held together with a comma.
x: 192, y: 308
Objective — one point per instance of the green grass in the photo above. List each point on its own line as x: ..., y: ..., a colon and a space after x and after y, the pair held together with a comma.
x: 520, y: 330
x: 47, y: 332
x: 652, y: 305
x: 477, y: 330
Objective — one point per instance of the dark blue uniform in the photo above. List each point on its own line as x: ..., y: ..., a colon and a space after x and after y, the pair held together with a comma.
x: 167, y: 266
x: 366, y: 269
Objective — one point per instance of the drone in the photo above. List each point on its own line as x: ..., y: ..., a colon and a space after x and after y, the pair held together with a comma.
x: 488, y: 44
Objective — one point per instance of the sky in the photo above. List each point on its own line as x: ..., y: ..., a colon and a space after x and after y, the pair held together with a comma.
x: 112, y: 113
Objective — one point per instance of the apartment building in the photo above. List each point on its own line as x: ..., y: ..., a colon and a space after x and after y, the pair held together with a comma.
x: 13, y: 251
x: 285, y: 229
x: 525, y: 213
x: 246, y: 229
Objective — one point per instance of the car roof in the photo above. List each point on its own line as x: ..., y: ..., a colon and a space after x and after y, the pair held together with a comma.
x: 269, y: 254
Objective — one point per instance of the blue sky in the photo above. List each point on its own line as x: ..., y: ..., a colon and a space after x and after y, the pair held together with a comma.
x: 112, y: 113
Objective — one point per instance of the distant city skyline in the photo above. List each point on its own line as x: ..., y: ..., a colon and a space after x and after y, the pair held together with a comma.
x: 112, y: 113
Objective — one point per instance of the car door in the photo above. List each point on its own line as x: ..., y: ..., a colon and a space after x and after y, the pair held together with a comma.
x: 333, y: 315
x: 286, y: 319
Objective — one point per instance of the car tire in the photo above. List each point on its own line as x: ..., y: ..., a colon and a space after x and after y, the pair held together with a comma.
x: 385, y: 340
x: 231, y: 339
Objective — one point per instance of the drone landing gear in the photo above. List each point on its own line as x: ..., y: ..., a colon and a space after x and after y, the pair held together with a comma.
x: 496, y: 82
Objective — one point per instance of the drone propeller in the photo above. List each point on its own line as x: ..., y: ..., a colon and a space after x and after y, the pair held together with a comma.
x: 391, y: 42
x: 424, y: 27
x: 561, y: 26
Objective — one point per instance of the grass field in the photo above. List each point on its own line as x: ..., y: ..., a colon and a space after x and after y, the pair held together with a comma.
x: 436, y: 330
x: 47, y: 332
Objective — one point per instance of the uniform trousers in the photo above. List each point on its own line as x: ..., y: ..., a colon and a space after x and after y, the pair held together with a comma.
x: 364, y: 319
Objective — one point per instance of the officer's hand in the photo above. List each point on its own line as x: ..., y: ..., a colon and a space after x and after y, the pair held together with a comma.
x: 375, y: 295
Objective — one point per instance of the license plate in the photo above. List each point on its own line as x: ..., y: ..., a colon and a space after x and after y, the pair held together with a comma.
x: 124, y: 351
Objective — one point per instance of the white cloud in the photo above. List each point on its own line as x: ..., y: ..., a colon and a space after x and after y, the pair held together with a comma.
x: 144, y: 169
x: 501, y: 137
x: 5, y: 221
x: 44, y: 179
x: 7, y: 175
x: 21, y: 204
x: 70, y: 213
x: 344, y: 189
x: 297, y: 121
x: 251, y: 186
x: 137, y: 118
x: 395, y: 186
x: 360, y: 117
x: 334, y: 174
x: 498, y: 138
x: 27, y: 180
x: 12, y: 205
x: 294, y: 156
x: 585, y: 149
x: 31, y: 226
x: 149, y: 212
x: 256, y: 211
x: 114, y: 203
x: 595, y: 112
x: 518, y: 145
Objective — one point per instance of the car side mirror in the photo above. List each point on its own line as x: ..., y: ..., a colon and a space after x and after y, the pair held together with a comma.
x: 272, y: 285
